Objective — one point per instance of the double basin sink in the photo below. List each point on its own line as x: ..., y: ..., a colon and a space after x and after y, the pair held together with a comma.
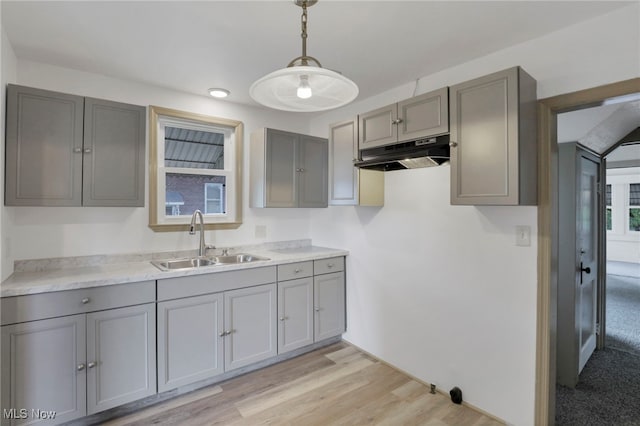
x: 198, y: 262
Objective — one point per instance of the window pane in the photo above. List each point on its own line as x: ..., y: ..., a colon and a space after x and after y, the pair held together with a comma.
x: 608, y: 195
x: 609, y: 226
x: 195, y: 149
x: 634, y: 219
x: 213, y: 193
x: 634, y: 194
x: 186, y: 193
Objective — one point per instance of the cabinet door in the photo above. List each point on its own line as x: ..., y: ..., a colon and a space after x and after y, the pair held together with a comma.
x: 484, y: 137
x: 312, y: 171
x: 189, y: 341
x: 250, y: 325
x: 114, y: 146
x: 424, y: 116
x: 343, y: 176
x: 329, y: 301
x: 295, y: 314
x: 280, y: 169
x: 43, y: 368
x: 121, y: 356
x: 378, y: 128
x: 43, y: 148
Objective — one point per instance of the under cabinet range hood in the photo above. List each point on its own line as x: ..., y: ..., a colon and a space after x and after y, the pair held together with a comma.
x: 426, y: 152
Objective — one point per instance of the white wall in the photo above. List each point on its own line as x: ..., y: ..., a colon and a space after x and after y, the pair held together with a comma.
x: 43, y: 232
x: 442, y: 291
x: 8, y: 64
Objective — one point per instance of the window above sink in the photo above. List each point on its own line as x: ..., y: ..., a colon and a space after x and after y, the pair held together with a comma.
x: 194, y: 164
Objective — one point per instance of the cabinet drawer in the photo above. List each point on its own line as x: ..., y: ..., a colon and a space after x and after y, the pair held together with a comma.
x: 69, y: 302
x: 326, y: 266
x: 195, y: 285
x: 292, y: 271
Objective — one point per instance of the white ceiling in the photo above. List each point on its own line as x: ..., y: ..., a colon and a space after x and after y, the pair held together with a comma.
x: 191, y: 46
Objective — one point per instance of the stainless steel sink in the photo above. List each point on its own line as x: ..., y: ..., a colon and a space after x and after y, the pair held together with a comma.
x: 237, y: 258
x: 198, y: 262
x: 189, y: 263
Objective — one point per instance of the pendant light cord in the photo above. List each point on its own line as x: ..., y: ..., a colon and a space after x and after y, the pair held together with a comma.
x: 303, y: 21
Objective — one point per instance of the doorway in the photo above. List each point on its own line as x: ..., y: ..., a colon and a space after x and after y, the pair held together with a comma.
x: 548, y: 233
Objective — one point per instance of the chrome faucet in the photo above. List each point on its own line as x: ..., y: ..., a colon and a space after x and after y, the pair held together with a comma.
x: 202, y: 247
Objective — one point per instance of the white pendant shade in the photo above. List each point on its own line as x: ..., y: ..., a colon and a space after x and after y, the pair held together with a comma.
x: 279, y: 89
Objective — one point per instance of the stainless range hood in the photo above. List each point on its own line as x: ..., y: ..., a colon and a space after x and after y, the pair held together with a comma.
x: 406, y: 155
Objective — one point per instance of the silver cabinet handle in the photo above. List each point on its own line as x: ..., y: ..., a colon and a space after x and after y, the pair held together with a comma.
x: 453, y: 144
x: 297, y: 271
x: 330, y: 265
x: 317, y: 309
x: 86, y: 300
x: 80, y: 367
x: 87, y: 150
x: 77, y: 150
x: 91, y: 364
x: 301, y: 170
x: 282, y: 318
x: 399, y: 120
x: 224, y: 333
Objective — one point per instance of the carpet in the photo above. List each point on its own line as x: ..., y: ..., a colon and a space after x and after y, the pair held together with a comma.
x: 608, y: 393
x: 623, y: 313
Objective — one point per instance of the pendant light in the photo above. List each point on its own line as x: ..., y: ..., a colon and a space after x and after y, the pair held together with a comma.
x: 304, y: 86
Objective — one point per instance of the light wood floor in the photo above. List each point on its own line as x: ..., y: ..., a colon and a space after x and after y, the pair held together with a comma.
x: 336, y: 385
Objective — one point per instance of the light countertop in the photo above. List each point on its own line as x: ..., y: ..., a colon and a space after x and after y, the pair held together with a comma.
x: 70, y: 278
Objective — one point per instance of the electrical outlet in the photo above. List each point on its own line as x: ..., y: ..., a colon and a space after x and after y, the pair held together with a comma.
x: 261, y: 231
x: 523, y: 236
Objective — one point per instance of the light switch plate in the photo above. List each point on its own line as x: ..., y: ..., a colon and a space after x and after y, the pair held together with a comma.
x: 523, y: 236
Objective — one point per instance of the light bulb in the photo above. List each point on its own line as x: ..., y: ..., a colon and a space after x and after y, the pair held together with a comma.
x: 304, y: 90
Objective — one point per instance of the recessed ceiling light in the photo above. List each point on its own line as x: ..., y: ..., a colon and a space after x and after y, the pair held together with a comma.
x: 219, y: 93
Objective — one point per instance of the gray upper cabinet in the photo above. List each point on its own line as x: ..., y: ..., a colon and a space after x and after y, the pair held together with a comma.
x: 288, y: 170
x: 349, y: 185
x: 493, y: 140
x: 66, y: 150
x: 114, y: 147
x: 419, y: 117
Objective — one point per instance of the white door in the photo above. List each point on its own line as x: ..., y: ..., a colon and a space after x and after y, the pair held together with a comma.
x: 587, y: 258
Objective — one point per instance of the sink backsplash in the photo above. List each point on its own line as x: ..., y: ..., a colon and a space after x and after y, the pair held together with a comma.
x: 57, y: 263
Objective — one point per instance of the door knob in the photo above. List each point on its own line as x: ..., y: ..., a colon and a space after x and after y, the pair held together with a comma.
x: 586, y: 270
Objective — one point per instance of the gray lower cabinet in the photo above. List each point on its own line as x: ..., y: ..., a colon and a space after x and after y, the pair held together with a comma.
x: 311, y: 302
x: 121, y: 356
x: 78, y: 355
x: 288, y: 169
x: 204, y: 335
x: 67, y: 150
x: 295, y: 314
x: 329, y: 305
x: 44, y: 368
x: 190, y: 340
x: 250, y: 325
x: 493, y: 140
x: 349, y: 185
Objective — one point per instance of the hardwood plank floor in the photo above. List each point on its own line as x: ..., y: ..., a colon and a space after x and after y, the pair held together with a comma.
x: 335, y: 385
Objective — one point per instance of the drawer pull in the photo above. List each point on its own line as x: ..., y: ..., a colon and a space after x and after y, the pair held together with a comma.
x: 283, y: 318
x: 86, y: 300
x: 91, y: 364
x: 317, y: 309
x: 329, y: 265
x: 80, y: 367
x: 297, y: 271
